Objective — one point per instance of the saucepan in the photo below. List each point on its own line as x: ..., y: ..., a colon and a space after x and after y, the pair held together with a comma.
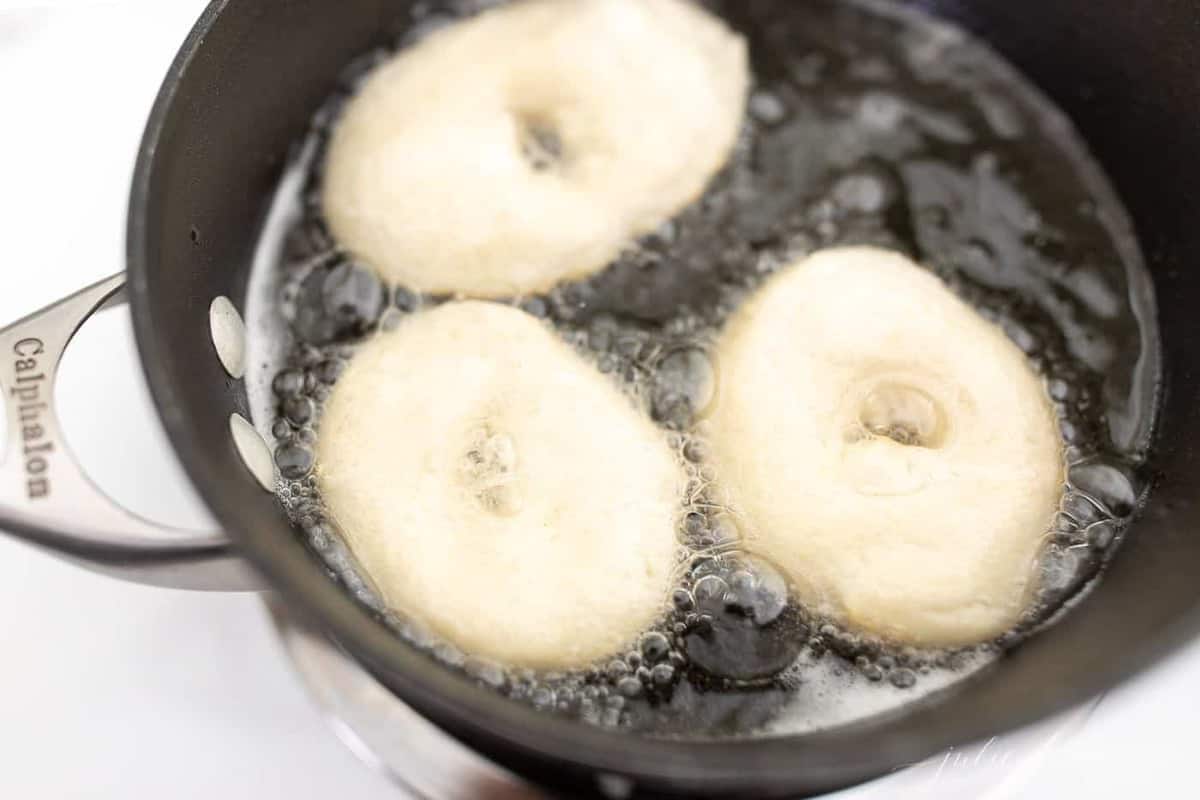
x: 245, y: 84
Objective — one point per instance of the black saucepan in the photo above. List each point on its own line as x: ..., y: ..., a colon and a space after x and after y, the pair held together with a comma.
x: 240, y: 92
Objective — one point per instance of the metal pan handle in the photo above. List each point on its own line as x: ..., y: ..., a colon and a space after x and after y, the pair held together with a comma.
x: 48, y: 501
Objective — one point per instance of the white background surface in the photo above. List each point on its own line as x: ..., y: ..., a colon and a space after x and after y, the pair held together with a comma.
x: 114, y: 691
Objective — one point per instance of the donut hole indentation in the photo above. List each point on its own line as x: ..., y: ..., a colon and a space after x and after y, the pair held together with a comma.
x: 904, y: 414
x: 541, y: 141
x: 488, y: 470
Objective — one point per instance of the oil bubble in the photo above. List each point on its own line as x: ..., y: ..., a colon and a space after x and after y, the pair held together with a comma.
x: 288, y: 383
x: 294, y: 460
x: 299, y: 411
x: 654, y: 647
x: 684, y: 387
x: 757, y: 590
x: 767, y: 108
x: 1107, y: 485
x: 338, y: 301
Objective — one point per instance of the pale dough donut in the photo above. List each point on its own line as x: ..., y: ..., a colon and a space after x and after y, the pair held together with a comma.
x: 530, y: 144
x: 497, y: 487
x: 891, y: 449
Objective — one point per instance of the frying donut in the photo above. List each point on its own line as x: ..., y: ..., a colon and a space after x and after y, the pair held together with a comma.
x: 891, y: 449
x: 498, y: 488
x: 530, y: 144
